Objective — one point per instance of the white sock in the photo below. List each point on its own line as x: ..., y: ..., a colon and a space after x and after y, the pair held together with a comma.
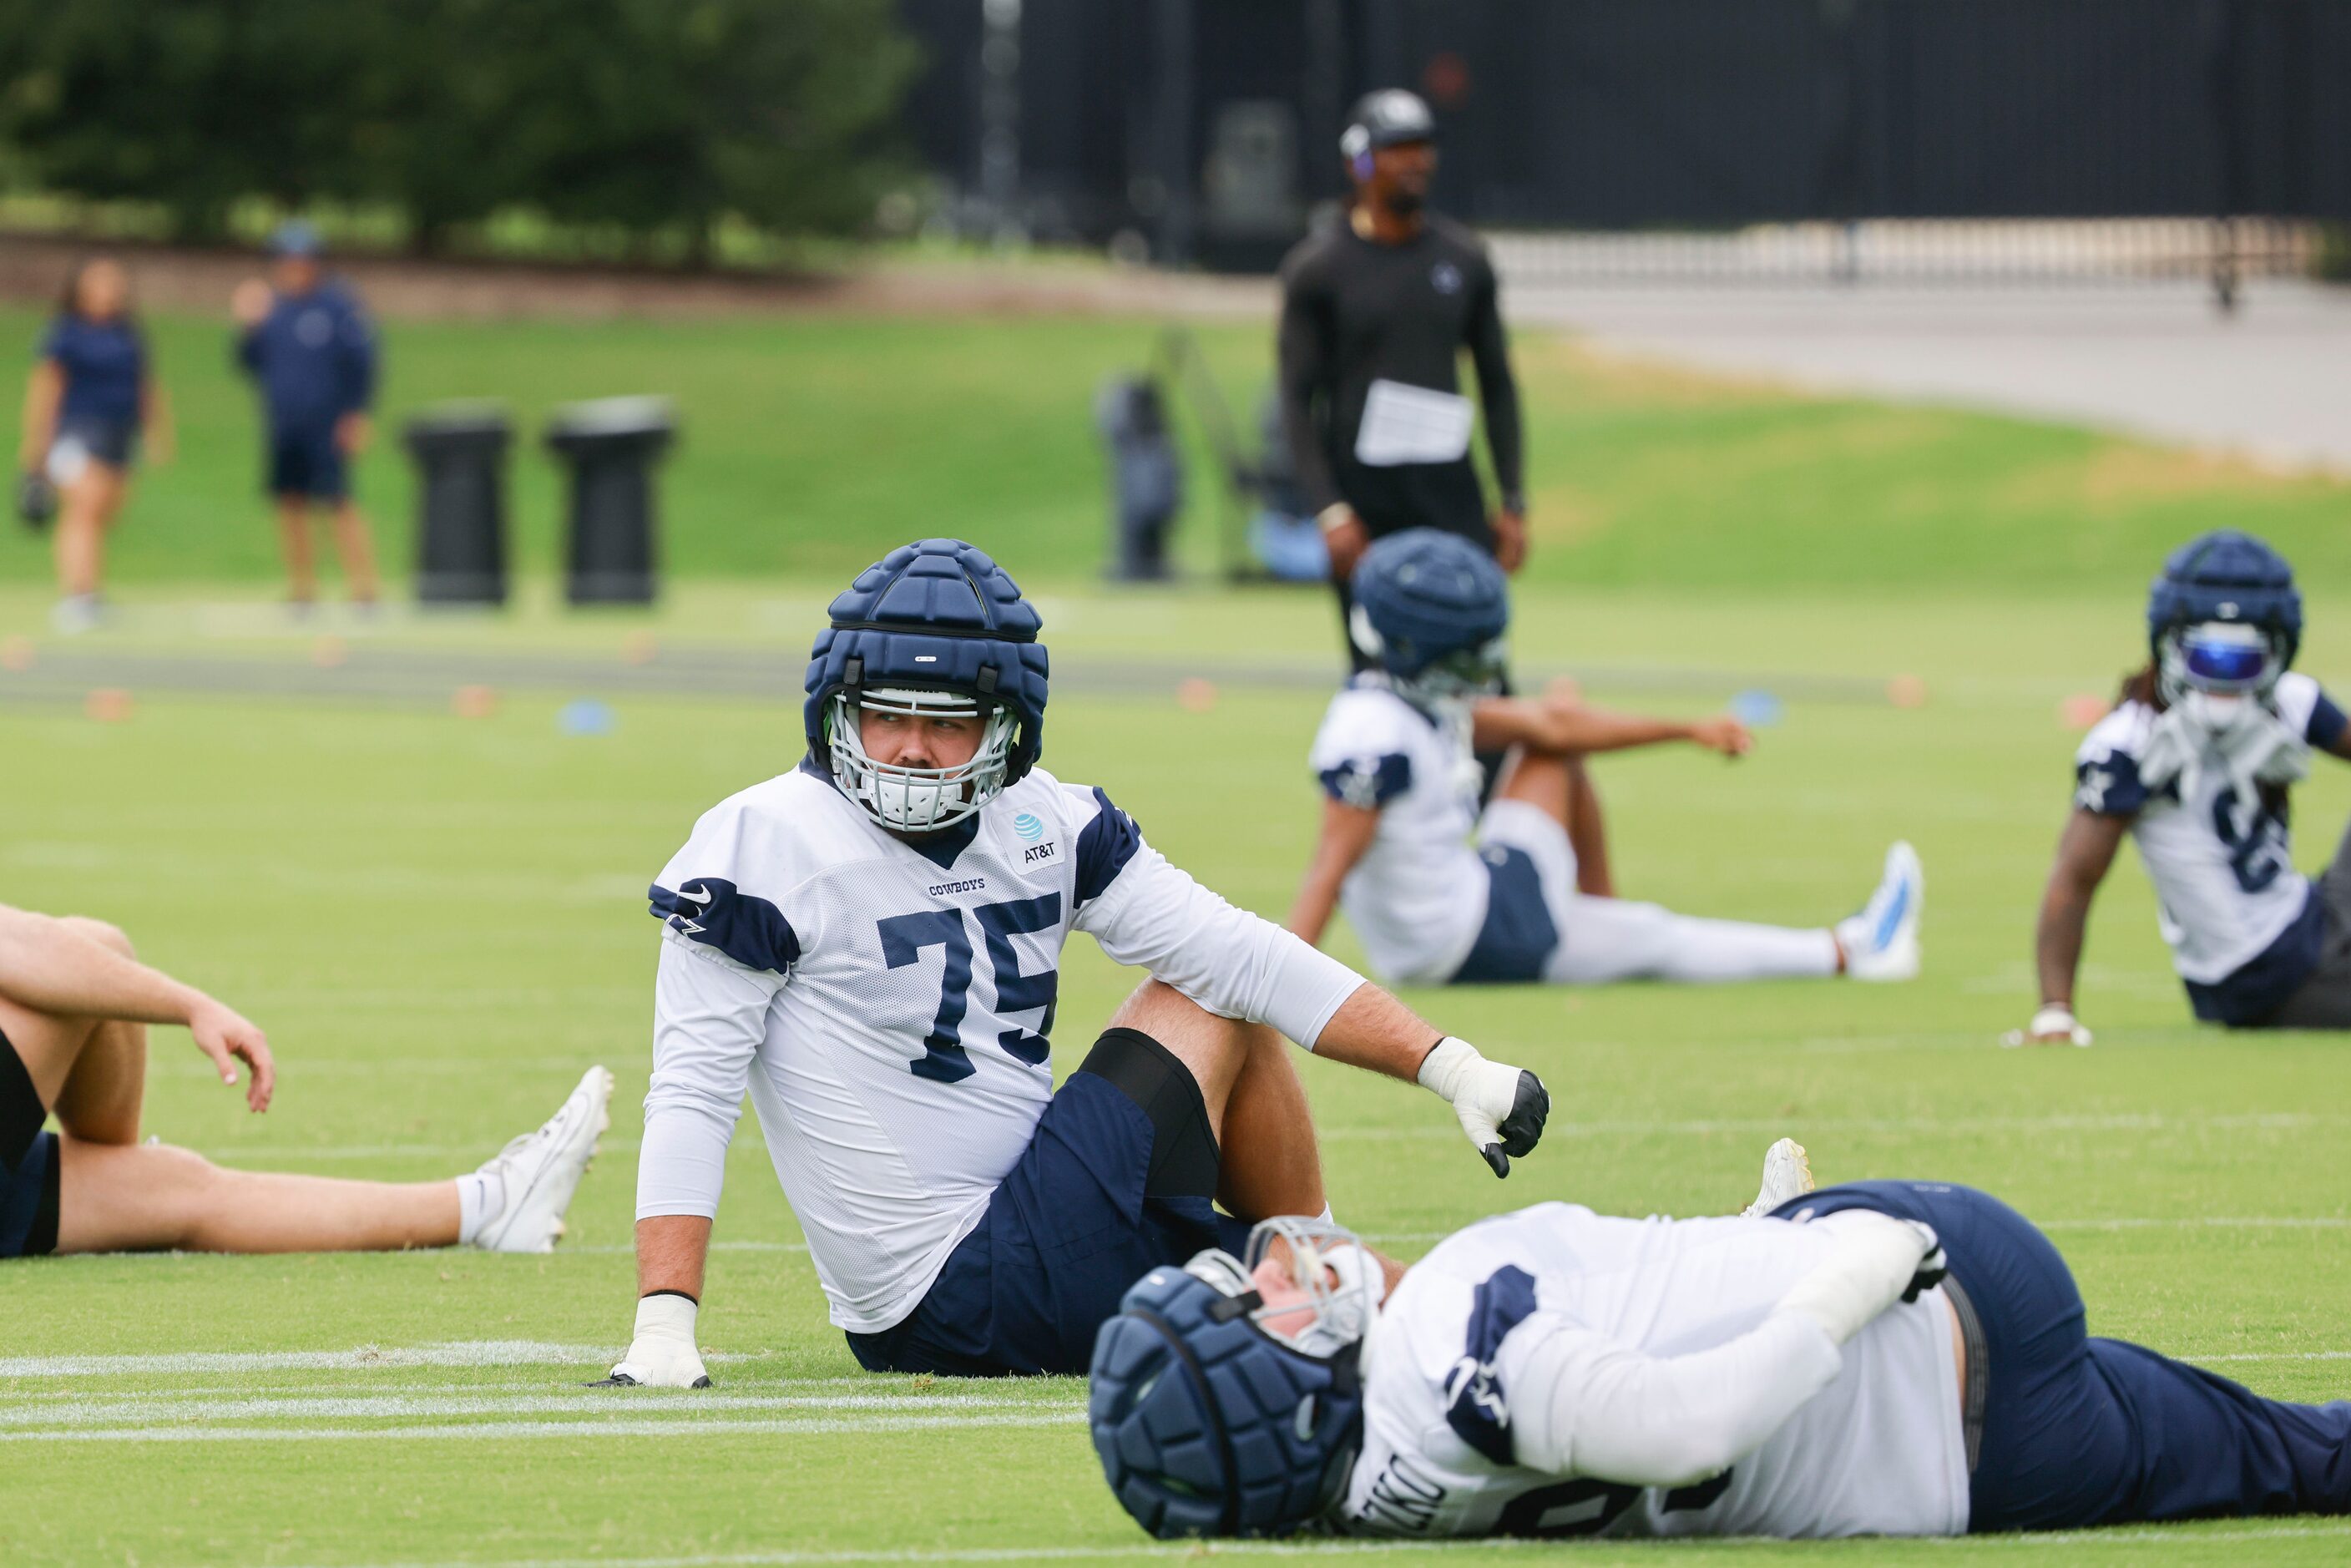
x: 481, y: 1197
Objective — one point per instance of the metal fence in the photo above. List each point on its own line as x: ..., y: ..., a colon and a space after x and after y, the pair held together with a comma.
x: 1774, y: 138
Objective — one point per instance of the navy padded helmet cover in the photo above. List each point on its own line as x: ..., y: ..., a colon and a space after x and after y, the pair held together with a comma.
x: 1208, y: 1443
x: 2226, y: 575
x: 1429, y: 594
x: 938, y: 612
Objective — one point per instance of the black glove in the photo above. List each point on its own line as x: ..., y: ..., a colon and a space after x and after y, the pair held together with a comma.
x: 1932, y: 1267
x: 37, y: 499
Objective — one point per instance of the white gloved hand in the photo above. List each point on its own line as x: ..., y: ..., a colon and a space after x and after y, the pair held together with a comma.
x: 1502, y: 1108
x: 1878, y: 1260
x: 662, y: 1355
x: 2055, y: 1024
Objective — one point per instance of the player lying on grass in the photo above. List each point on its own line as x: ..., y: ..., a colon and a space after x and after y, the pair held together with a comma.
x: 73, y: 1010
x: 1889, y: 1358
x: 2195, y: 763
x: 869, y: 944
x: 1441, y: 893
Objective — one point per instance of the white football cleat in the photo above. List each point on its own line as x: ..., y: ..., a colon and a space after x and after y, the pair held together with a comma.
x: 1881, y: 943
x: 1787, y: 1173
x: 541, y: 1170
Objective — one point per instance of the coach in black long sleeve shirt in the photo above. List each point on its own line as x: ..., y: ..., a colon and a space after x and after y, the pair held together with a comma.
x: 1376, y: 311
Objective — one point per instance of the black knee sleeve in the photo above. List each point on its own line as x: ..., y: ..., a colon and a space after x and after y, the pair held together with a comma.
x: 1184, y: 1159
x: 21, y: 1110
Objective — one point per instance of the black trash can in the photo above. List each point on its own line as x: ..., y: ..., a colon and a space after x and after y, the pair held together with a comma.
x: 610, y: 445
x: 460, y: 450
x: 1146, y: 477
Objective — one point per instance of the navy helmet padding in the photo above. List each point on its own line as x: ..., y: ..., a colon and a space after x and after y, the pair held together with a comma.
x: 938, y: 612
x: 1197, y: 1413
x: 1429, y: 594
x: 2226, y: 576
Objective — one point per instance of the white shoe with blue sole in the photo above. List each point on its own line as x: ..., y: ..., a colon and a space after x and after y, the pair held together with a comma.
x: 1881, y: 943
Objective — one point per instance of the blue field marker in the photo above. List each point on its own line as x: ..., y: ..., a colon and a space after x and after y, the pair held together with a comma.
x: 585, y: 715
x: 1756, y: 709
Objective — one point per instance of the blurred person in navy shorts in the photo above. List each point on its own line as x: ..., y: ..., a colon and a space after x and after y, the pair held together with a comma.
x: 90, y: 397
x: 305, y: 339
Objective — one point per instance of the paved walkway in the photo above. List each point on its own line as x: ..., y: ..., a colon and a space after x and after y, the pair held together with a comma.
x: 2271, y: 381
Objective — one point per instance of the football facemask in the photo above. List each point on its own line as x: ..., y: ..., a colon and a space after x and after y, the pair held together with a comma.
x: 2223, y: 658
x: 1331, y: 1291
x: 919, y: 799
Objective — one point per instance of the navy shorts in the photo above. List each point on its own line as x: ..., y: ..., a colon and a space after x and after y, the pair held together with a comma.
x: 1120, y: 1178
x: 82, y: 439
x: 29, y: 1164
x: 2080, y: 1431
x: 1515, y: 943
x: 304, y: 461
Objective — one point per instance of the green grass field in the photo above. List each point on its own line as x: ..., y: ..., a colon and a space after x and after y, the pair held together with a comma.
x: 813, y: 442
x: 441, y: 922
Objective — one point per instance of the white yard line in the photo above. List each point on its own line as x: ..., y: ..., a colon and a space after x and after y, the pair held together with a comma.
x: 2125, y: 1121
x: 484, y: 1431
x: 1193, y: 1551
x: 459, y: 1353
x: 104, y: 1411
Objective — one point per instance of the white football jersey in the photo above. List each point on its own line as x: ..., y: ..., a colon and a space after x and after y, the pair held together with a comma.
x: 888, y: 1007
x: 1417, y: 897
x: 2222, y: 868
x: 1878, y: 1450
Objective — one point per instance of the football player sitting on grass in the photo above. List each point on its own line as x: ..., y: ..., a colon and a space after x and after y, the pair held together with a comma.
x: 870, y: 945
x: 1441, y: 893
x: 2195, y: 763
x: 1881, y: 1358
x: 74, y: 1010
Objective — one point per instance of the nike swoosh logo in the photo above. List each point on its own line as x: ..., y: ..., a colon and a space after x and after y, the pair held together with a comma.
x: 705, y: 896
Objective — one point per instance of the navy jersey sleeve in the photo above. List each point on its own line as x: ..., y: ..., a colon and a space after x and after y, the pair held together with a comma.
x: 2326, y: 726
x: 1105, y: 845
x: 1368, y: 782
x: 2109, y: 785
x: 700, y: 894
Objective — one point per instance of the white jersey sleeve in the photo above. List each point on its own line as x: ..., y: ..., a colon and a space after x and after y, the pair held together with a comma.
x: 1585, y: 1404
x: 726, y: 950
x: 1145, y: 912
x: 710, y: 1015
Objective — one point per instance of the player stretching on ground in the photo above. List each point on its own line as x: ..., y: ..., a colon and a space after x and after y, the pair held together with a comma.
x: 74, y: 1010
x: 1905, y: 1358
x: 2195, y: 762
x: 870, y: 944
x: 1441, y: 893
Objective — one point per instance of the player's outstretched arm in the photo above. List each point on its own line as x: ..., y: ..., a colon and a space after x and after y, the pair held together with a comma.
x: 1584, y: 1403
x: 1347, y: 832
x: 1564, y: 725
x: 1238, y: 965
x: 2086, y: 851
x: 1501, y: 1108
x: 45, y: 964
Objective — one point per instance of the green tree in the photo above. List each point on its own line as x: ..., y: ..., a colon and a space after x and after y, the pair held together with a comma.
x: 653, y: 116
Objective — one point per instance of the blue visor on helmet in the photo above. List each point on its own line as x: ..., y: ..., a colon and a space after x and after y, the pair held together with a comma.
x: 2225, y: 658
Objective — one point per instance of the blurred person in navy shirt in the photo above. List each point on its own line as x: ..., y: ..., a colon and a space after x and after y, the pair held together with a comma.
x: 305, y: 342
x: 91, y: 395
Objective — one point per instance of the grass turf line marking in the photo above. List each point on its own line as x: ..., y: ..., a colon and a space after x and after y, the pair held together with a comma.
x: 1192, y: 1551
x: 103, y: 1411
x: 478, y: 1431
x: 2127, y: 1122
x: 456, y: 1352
